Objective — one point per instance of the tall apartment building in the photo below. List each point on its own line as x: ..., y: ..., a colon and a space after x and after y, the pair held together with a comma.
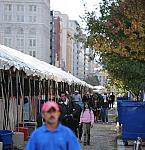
x: 77, y: 49
x: 57, y: 37
x: 63, y: 37
x: 52, y: 38
x: 25, y: 26
x: 69, y: 48
x: 69, y: 53
x: 88, y: 63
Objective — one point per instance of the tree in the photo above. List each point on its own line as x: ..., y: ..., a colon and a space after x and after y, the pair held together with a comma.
x: 130, y: 73
x: 119, y: 36
x: 120, y: 28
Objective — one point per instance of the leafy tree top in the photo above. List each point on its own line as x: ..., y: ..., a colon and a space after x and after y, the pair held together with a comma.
x: 120, y: 28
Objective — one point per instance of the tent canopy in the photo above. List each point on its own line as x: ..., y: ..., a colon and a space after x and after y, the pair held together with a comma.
x: 34, y: 67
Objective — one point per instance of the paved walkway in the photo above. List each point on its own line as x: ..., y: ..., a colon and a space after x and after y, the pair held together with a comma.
x: 103, y: 136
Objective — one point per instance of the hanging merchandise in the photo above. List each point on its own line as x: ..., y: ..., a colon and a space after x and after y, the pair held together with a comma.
x: 21, y: 99
x: 1, y: 113
x: 12, y: 109
x: 5, y: 96
x: 30, y: 98
x: 56, y: 92
x: 17, y: 95
x: 13, y: 113
x: 43, y: 96
x: 35, y: 100
x: 40, y: 97
x: 3, y: 110
x: 26, y: 111
x: 48, y: 84
x: 50, y: 90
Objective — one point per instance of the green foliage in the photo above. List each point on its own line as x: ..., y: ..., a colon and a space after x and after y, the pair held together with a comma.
x: 129, y: 73
x: 119, y: 36
x: 120, y: 29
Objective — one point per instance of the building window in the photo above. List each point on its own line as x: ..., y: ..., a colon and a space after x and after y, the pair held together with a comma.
x: 8, y: 7
x: 20, y: 43
x: 32, y: 8
x: 20, y: 31
x: 32, y: 31
x: 8, y: 30
x: 7, y: 17
x: 32, y: 18
x: 32, y: 43
x: 32, y: 53
x: 20, y: 18
x: 20, y: 7
x: 7, y: 41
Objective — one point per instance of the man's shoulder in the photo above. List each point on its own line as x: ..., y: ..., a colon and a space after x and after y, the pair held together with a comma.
x: 38, y: 130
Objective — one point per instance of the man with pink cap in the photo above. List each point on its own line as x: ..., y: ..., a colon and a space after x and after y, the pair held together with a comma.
x: 52, y: 135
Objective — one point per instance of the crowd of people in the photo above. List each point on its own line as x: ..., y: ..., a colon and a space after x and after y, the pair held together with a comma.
x: 72, y: 116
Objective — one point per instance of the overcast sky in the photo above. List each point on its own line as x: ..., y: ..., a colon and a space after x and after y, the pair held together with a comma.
x: 74, y: 8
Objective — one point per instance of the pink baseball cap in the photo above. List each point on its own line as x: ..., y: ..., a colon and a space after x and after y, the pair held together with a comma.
x: 48, y: 105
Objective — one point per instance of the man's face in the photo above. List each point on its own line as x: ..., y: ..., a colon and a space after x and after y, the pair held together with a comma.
x: 51, y: 116
x: 63, y: 97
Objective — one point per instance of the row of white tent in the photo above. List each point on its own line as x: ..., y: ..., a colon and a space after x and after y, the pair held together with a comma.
x: 34, y: 67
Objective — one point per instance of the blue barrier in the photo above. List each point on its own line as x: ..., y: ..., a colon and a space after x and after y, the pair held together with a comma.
x: 6, y: 138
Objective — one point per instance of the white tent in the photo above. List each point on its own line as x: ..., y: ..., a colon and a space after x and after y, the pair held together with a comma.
x: 99, y: 89
x: 34, y: 67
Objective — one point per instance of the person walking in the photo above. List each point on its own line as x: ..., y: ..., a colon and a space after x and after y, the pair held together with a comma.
x: 77, y: 96
x: 70, y: 113
x: 87, y: 121
x: 89, y: 99
x: 52, y: 135
x: 112, y: 98
x: 104, y: 109
x: 96, y: 110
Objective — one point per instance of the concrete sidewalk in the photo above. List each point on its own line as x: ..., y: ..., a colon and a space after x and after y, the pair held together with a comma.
x: 103, y: 136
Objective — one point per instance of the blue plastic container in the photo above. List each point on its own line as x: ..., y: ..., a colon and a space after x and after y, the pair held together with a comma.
x: 133, y: 120
x: 6, y: 138
x: 120, y: 109
x: 122, y: 98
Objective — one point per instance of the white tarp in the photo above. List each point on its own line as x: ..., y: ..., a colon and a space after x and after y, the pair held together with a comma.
x: 32, y: 66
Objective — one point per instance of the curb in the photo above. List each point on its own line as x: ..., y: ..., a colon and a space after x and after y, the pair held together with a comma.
x: 120, y: 145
